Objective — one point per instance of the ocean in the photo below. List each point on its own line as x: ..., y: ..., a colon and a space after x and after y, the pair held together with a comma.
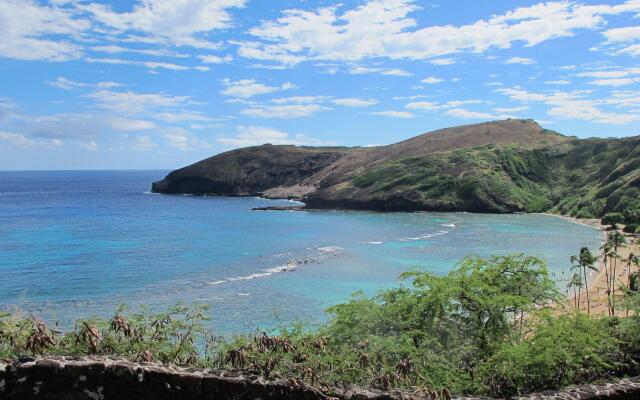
x: 78, y: 243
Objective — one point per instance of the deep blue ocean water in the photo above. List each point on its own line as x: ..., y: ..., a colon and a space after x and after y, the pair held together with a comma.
x: 74, y: 244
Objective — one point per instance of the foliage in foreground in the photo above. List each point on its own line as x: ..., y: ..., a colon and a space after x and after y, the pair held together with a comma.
x: 170, y: 337
x: 485, y: 328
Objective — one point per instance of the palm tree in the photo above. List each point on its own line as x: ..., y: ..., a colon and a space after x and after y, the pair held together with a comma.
x: 583, y: 261
x: 607, y: 252
x: 575, y: 282
x: 579, y: 286
x: 617, y: 240
x: 632, y: 260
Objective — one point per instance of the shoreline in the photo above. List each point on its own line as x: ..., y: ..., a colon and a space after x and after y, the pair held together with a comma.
x: 592, y: 222
x: 597, y: 280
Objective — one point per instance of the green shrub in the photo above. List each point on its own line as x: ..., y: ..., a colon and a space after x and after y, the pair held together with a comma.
x: 584, y: 213
x: 612, y: 218
x: 169, y: 337
x: 563, y: 350
x: 484, y: 328
x: 631, y: 216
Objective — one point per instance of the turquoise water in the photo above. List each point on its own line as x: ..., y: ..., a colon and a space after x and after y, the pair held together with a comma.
x: 80, y: 243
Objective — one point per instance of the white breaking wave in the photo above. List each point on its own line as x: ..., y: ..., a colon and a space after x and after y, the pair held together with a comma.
x: 246, y: 278
x: 449, y: 225
x: 330, y: 249
x: 289, y: 266
x: 425, y: 236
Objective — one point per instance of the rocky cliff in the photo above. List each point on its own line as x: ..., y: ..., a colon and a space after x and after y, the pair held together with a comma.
x: 502, y: 166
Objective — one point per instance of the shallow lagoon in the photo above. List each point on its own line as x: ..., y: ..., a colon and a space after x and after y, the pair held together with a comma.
x: 79, y: 243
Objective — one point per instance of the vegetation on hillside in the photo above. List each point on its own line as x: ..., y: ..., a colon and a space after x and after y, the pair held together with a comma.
x: 499, y: 166
x: 583, y: 178
x: 490, y: 326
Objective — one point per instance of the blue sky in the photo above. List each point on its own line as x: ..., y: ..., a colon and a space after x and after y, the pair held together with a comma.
x: 163, y: 83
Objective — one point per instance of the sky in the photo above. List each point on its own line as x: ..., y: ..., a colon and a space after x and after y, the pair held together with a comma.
x: 131, y: 84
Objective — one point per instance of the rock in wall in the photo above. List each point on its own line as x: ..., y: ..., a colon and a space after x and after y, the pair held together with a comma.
x: 107, y: 378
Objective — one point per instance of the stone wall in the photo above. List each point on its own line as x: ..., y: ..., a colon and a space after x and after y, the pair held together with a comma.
x: 107, y: 378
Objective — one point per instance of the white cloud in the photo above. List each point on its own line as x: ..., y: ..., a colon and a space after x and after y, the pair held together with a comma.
x: 466, y: 114
x: 175, y: 22
x: 442, y: 61
x: 152, y: 65
x: 396, y: 72
x: 626, y: 34
x: 113, y: 49
x: 16, y: 139
x: 423, y: 105
x: 213, y: 59
x: 431, y: 80
x: 33, y: 31
x: 182, y: 116
x: 633, y: 50
x: 613, y: 77
x: 606, y: 74
x: 90, y: 145
x: 511, y: 109
x: 247, y: 88
x: 383, y: 28
x: 282, y: 111
x: 559, y: 82
x: 67, y: 84
x: 50, y: 130
x: 7, y: 109
x: 180, y: 139
x: 575, y: 105
x: 364, y: 70
x: 622, y: 37
x: 615, y: 82
x: 360, y: 70
x: 128, y: 124
x: 520, y: 60
x: 64, y: 83
x: 300, y: 99
x: 353, y: 102
x: 138, y: 143
x: 394, y: 114
x: 134, y: 103
x: 458, y: 103
x: 429, y: 106
x: 258, y: 135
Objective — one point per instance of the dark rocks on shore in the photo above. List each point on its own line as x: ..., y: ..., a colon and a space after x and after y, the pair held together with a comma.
x: 276, y: 208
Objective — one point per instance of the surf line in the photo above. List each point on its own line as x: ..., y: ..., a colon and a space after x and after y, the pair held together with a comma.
x: 289, y: 266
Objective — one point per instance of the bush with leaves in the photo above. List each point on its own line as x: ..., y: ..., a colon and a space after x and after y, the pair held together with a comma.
x: 612, y: 219
x: 171, y: 336
x: 560, y: 351
x: 484, y: 328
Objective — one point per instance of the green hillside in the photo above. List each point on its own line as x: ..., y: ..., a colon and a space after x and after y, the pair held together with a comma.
x: 497, y: 167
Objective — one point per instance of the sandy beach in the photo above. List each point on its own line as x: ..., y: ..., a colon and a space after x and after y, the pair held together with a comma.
x: 598, y: 280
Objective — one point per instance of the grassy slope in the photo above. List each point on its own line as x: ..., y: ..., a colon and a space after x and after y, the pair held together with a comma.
x: 582, y: 178
x: 499, y: 166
